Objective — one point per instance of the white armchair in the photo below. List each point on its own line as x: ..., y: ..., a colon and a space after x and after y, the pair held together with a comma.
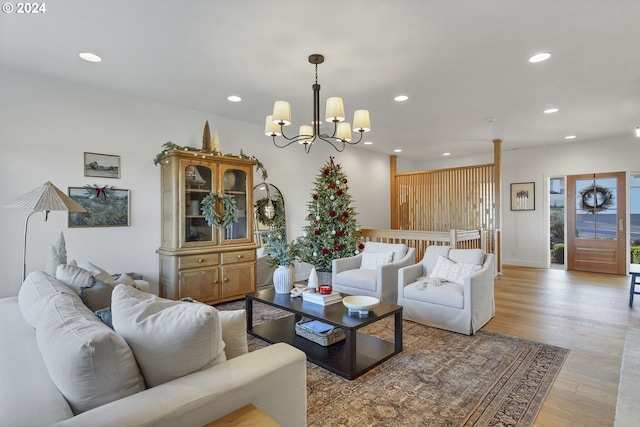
x: 462, y: 307
x: 373, y: 272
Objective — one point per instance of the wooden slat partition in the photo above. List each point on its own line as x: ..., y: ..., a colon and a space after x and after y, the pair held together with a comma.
x: 462, y: 239
x: 445, y: 199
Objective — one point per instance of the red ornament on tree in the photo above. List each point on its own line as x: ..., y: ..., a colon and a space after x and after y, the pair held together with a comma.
x: 345, y: 214
x: 361, y: 246
x: 317, y: 232
x: 325, y: 251
x: 339, y: 233
x: 332, y: 185
x: 339, y: 192
x: 332, y: 213
x: 327, y: 171
x: 315, y: 197
x: 336, y: 247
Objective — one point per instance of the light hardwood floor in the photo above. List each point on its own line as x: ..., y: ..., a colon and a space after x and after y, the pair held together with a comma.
x: 585, y: 312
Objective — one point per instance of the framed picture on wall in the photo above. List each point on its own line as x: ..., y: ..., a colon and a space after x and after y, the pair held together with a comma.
x: 106, y: 207
x: 523, y: 196
x: 101, y: 165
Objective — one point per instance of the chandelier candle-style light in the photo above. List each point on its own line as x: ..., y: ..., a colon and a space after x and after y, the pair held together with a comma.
x: 334, y: 112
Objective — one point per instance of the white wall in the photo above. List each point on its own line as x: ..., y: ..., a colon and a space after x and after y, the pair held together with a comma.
x: 47, y: 125
x: 525, y: 234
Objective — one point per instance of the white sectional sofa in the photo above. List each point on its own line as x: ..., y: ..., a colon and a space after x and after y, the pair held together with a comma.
x: 62, y: 366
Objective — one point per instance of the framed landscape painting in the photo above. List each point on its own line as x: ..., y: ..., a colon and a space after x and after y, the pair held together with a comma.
x: 106, y: 207
x: 101, y: 165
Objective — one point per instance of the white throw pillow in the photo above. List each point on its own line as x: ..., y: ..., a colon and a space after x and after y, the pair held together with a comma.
x: 74, y: 277
x: 169, y: 338
x: 90, y: 364
x: 98, y: 273
x: 371, y: 260
x: 36, y: 291
x: 451, y: 271
x: 234, y: 332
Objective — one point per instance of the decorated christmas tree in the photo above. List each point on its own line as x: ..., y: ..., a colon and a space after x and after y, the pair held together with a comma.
x: 332, y: 231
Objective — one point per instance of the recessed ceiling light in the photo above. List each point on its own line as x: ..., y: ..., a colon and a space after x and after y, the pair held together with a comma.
x: 91, y: 57
x: 539, y: 57
x: 550, y: 110
x: 234, y: 98
x: 570, y: 137
x: 368, y: 143
x: 397, y: 150
x: 446, y: 154
x: 401, y: 98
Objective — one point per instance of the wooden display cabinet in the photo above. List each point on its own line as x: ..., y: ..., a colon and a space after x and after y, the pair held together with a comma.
x: 210, y: 265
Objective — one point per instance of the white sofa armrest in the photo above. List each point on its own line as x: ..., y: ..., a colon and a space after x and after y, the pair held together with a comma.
x: 409, y: 274
x: 388, y: 275
x: 343, y: 264
x: 272, y: 378
x: 479, y: 291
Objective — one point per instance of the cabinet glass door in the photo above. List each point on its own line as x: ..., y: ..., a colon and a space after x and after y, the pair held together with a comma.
x: 235, y: 185
x: 198, y: 184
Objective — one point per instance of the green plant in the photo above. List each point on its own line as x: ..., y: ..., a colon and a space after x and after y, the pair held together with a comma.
x: 635, y: 254
x: 280, y: 252
x: 557, y: 253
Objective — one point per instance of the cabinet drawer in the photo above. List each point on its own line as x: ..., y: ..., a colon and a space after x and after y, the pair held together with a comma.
x: 238, y: 256
x: 203, y: 260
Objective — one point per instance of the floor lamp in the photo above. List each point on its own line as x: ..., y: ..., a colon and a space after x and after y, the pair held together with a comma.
x: 45, y: 198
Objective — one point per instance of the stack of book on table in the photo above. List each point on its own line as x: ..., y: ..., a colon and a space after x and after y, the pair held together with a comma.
x: 318, y: 298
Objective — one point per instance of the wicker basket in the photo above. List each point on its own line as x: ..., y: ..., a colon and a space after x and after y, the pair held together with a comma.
x: 324, y: 339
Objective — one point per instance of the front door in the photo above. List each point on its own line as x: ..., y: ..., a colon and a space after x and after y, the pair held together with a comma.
x: 596, y: 232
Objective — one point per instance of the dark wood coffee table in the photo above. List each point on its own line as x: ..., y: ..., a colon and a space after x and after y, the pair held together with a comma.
x: 351, y: 357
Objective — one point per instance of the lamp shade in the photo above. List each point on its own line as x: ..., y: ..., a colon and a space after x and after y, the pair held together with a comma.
x: 270, y: 128
x: 47, y: 197
x: 281, y: 113
x: 344, y: 131
x: 361, y: 122
x: 335, y: 109
x: 306, y: 134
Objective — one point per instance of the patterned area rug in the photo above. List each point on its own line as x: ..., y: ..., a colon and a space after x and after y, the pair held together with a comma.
x: 440, y: 379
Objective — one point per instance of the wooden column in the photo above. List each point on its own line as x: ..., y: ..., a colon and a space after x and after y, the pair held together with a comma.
x: 497, y: 170
x: 393, y: 193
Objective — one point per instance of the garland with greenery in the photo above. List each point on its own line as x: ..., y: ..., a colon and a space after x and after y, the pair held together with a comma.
x: 230, y: 210
x: 171, y: 146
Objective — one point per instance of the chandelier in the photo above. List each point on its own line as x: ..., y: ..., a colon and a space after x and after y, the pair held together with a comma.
x: 307, y: 135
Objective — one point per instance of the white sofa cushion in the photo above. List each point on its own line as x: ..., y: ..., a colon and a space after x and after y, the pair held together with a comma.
x: 90, y: 364
x: 467, y: 256
x: 169, y: 338
x: 234, y: 332
x: 357, y: 278
x: 399, y: 249
x: 452, y: 271
x: 447, y: 294
x: 371, y: 260
x: 36, y: 291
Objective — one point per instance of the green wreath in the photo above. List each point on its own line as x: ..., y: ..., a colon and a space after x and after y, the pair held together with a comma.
x: 213, y: 217
x: 595, y: 199
x: 278, y: 215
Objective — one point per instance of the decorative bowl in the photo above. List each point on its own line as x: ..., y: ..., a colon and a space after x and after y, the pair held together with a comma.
x: 360, y: 304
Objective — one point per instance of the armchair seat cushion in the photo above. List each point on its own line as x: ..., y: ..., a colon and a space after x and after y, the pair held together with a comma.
x: 447, y: 293
x: 358, y: 278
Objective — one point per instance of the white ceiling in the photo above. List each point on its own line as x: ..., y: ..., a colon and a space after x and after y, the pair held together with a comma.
x: 460, y: 62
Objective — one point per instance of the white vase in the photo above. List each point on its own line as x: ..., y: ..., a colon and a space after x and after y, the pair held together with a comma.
x: 283, y: 279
